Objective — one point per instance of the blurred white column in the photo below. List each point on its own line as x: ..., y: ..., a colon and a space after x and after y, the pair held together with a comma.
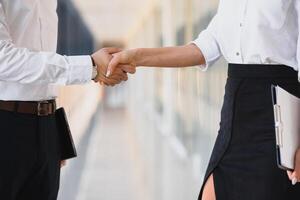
x: 189, y: 29
x: 169, y: 39
x: 168, y: 24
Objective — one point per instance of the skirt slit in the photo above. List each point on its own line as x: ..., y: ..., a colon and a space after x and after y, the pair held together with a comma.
x: 227, y: 143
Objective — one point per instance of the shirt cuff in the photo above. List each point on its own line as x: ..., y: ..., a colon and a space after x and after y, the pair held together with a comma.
x: 209, y: 48
x: 80, y: 69
x: 299, y: 75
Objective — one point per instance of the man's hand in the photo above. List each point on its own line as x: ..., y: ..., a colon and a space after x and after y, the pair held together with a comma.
x: 124, y: 60
x: 102, y: 59
x: 295, y: 175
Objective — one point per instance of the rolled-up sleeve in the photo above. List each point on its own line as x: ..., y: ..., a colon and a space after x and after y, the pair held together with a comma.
x: 207, y: 42
x: 26, y: 66
x: 297, y: 6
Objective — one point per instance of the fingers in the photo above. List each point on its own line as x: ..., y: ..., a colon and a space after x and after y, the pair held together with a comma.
x: 113, y: 73
x: 118, y: 78
x: 112, y: 50
x: 294, y: 176
x: 114, y: 79
x: 106, y: 81
x: 126, y: 57
x: 119, y: 74
x: 63, y: 163
x: 289, y: 173
x: 128, y: 68
x: 103, y: 56
x: 112, y: 65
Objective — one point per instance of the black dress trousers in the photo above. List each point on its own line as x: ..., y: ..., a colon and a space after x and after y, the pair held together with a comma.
x: 29, y: 157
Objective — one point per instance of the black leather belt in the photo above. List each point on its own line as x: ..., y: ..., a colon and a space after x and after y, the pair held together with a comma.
x: 39, y: 108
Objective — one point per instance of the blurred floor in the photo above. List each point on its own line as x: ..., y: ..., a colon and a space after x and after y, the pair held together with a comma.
x: 108, y: 168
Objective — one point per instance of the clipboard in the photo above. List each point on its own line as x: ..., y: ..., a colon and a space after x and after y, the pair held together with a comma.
x: 287, y: 126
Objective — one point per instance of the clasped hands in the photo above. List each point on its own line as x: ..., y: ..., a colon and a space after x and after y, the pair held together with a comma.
x: 111, y: 74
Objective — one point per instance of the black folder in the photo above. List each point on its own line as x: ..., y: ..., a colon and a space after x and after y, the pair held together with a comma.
x: 68, y: 149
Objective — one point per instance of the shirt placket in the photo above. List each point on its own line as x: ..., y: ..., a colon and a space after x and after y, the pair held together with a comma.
x: 241, y: 23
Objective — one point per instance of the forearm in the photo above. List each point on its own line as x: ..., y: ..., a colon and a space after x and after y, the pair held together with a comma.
x: 182, y: 56
x: 24, y: 66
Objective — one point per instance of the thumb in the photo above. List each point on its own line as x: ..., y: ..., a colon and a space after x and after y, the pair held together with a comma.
x: 112, y: 65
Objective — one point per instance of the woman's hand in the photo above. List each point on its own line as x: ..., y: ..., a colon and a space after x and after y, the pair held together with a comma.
x: 63, y: 163
x: 101, y: 59
x: 295, y: 175
x: 125, y: 59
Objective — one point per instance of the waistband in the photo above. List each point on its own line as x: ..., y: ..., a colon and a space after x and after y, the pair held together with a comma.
x: 40, y: 108
x: 261, y: 71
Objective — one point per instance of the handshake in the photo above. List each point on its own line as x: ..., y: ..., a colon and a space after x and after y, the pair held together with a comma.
x: 113, y: 65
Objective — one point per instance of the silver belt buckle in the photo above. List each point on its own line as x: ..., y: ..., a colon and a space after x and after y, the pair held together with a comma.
x: 40, y: 110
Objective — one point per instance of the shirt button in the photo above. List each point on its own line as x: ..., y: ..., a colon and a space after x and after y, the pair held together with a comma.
x: 238, y: 54
x: 241, y: 24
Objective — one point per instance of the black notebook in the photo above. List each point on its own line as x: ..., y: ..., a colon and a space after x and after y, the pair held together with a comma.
x: 68, y: 149
x: 287, y: 126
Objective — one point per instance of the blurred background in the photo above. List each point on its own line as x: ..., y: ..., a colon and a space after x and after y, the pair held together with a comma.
x: 151, y: 137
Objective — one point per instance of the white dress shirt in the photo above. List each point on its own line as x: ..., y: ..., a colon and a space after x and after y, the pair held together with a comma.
x: 253, y: 32
x: 30, y: 70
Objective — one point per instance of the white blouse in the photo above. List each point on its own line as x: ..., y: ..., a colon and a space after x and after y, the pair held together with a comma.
x: 253, y: 32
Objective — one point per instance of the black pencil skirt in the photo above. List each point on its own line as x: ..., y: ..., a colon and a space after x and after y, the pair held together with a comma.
x: 243, y: 161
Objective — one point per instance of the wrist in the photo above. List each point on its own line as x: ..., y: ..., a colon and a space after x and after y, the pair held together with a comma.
x: 95, y: 70
x: 94, y: 73
x: 93, y: 61
x: 136, y: 55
